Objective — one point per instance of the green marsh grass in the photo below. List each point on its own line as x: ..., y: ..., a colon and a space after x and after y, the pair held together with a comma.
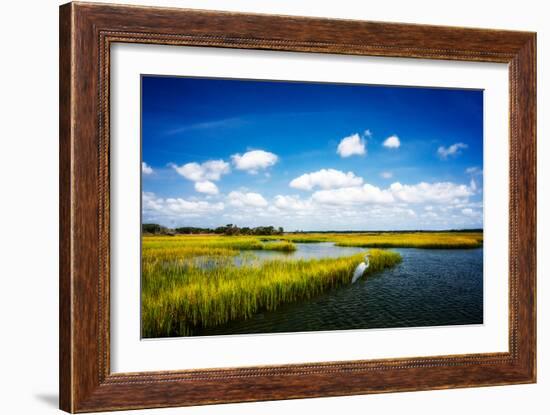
x: 180, y: 295
x: 427, y: 240
x: 198, y: 242
x: 192, y: 281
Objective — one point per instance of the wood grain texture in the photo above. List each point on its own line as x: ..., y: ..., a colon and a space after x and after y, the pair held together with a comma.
x: 65, y: 246
x: 86, y: 33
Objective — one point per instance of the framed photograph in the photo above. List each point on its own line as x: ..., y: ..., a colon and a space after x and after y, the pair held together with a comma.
x: 260, y: 207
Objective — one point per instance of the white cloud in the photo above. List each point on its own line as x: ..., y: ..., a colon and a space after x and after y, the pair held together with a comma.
x: 430, y: 215
x: 472, y: 213
x: 386, y: 174
x: 208, y: 125
x: 292, y: 203
x: 474, y: 171
x: 367, y: 133
x: 440, y: 192
x: 254, y: 160
x: 352, y: 145
x: 151, y: 202
x: 206, y: 187
x: 353, y: 195
x: 182, y: 206
x: 209, y: 170
x: 145, y: 168
x: 154, y: 206
x: 326, y: 179
x: 246, y: 199
x: 453, y: 150
x: 392, y: 142
x: 473, y: 184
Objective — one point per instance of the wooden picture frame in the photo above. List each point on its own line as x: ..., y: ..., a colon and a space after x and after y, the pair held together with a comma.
x: 86, y: 33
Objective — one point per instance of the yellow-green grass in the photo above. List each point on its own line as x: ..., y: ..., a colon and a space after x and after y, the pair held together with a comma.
x: 193, y: 281
x: 179, y: 296
x: 428, y: 240
x: 188, y: 246
x: 286, y: 242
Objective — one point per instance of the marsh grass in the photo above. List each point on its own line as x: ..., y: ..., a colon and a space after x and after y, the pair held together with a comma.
x: 380, y: 259
x: 427, y: 240
x: 196, y: 243
x: 193, y: 281
x: 180, y: 295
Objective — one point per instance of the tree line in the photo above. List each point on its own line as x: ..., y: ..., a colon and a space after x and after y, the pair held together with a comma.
x: 229, y: 229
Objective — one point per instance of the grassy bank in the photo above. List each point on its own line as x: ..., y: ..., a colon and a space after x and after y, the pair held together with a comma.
x: 179, y: 296
x: 216, y: 242
x: 428, y: 240
x: 439, y: 240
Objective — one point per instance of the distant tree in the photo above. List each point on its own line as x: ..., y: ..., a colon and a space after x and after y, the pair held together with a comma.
x: 220, y: 229
x: 151, y: 228
x: 229, y: 229
x: 192, y: 230
x: 232, y: 230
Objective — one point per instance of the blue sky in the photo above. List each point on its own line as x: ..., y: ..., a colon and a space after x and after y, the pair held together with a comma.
x: 310, y: 156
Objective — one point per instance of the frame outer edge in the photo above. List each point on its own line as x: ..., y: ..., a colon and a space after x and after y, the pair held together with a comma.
x: 528, y: 143
x: 534, y: 230
x: 66, y: 120
x: 523, y: 113
x: 82, y: 388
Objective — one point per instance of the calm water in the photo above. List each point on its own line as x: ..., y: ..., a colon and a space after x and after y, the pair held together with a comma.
x: 304, y: 251
x: 431, y: 287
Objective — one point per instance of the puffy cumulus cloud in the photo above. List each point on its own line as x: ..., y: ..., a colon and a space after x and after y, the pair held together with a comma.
x: 246, y: 199
x: 353, y: 195
x: 254, y: 160
x: 392, y: 142
x: 209, y: 170
x: 352, y: 145
x: 151, y: 202
x: 326, y: 179
x: 158, y: 207
x: 182, y: 207
x: 440, y: 192
x: 292, y: 203
x: 452, y: 150
x: 145, y: 168
x: 206, y: 187
x: 386, y: 174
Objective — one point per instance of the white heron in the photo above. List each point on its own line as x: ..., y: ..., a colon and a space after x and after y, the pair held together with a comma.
x: 360, y: 270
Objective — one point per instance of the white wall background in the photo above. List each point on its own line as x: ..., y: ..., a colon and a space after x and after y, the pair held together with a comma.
x: 29, y: 207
